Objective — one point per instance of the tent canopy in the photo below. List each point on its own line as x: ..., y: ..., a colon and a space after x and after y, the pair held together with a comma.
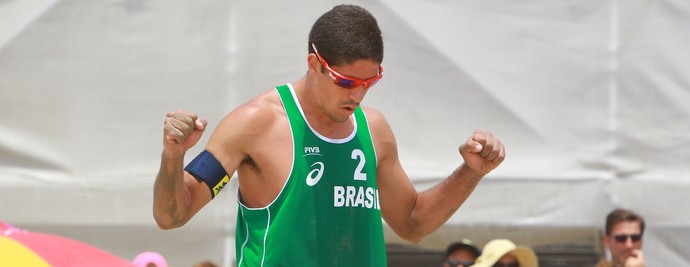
x: 589, y: 97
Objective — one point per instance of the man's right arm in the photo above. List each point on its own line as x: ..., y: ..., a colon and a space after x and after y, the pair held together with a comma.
x: 177, y: 195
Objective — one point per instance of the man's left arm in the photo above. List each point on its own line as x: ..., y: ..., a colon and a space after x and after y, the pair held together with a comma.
x: 414, y: 215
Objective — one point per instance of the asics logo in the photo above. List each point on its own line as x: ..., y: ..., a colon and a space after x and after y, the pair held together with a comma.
x: 315, y: 174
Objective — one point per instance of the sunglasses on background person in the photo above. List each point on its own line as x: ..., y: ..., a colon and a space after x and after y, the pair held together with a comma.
x: 345, y: 81
x: 457, y: 263
x: 510, y: 264
x: 623, y: 238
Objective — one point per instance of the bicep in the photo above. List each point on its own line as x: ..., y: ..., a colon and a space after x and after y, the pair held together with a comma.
x: 200, y: 191
x: 396, y: 193
x: 226, y: 144
x: 233, y: 140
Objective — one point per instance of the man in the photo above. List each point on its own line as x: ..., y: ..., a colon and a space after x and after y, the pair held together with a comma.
x: 316, y: 171
x: 461, y: 254
x: 623, y: 239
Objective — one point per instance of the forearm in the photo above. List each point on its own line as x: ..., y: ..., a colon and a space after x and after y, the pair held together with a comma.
x: 170, y: 196
x: 435, y: 206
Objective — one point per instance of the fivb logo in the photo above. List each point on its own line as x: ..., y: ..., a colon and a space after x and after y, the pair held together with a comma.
x: 312, y: 151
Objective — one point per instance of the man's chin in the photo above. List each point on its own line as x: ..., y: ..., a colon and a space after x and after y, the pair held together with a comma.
x: 621, y: 259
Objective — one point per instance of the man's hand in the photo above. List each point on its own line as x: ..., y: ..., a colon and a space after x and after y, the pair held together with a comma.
x: 182, y: 131
x: 482, y: 152
x: 636, y: 260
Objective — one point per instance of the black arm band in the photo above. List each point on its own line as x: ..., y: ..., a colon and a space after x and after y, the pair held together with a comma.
x: 206, y: 168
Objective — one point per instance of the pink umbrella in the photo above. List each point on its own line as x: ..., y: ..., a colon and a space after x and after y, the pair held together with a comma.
x: 20, y: 247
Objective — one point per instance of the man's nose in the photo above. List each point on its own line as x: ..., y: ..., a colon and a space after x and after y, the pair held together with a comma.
x: 357, y: 93
x: 629, y: 243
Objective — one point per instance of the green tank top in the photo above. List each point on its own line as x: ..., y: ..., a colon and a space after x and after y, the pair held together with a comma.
x: 327, y: 213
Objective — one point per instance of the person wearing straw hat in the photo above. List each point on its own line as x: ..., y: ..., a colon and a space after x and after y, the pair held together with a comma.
x: 504, y: 253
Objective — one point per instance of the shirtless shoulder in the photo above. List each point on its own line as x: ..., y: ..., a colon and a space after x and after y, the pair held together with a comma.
x: 253, y: 140
x: 381, y: 133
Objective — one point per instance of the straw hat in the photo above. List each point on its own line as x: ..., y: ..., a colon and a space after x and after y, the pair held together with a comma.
x: 496, y: 248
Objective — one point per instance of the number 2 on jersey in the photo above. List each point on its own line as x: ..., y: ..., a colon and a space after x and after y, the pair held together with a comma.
x: 359, y: 155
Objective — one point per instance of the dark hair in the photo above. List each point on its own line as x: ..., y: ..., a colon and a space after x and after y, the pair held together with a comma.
x: 622, y: 215
x: 463, y: 244
x: 345, y: 34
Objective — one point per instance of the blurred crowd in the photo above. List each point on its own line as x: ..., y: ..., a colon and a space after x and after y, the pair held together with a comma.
x: 622, y: 238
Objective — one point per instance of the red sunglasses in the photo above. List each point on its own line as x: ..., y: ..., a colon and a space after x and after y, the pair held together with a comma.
x: 345, y: 81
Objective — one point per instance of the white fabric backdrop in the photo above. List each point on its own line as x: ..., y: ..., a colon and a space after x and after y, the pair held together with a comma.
x: 590, y: 98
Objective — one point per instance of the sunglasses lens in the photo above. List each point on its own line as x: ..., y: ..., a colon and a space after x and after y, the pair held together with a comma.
x: 620, y: 238
x: 457, y: 263
x: 636, y: 238
x: 623, y: 238
x: 347, y: 83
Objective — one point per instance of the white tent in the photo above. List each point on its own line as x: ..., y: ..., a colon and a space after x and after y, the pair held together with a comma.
x: 590, y: 98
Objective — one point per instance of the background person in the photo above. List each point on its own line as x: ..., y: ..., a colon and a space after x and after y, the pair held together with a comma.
x: 461, y: 254
x: 623, y: 239
x: 149, y: 259
x: 205, y: 264
x: 504, y: 253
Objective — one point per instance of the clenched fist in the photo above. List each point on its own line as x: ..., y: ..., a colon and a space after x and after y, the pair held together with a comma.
x: 182, y: 130
x: 482, y: 152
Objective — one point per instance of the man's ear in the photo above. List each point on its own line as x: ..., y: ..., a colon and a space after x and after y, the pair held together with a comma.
x: 313, y: 63
x: 606, y: 239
